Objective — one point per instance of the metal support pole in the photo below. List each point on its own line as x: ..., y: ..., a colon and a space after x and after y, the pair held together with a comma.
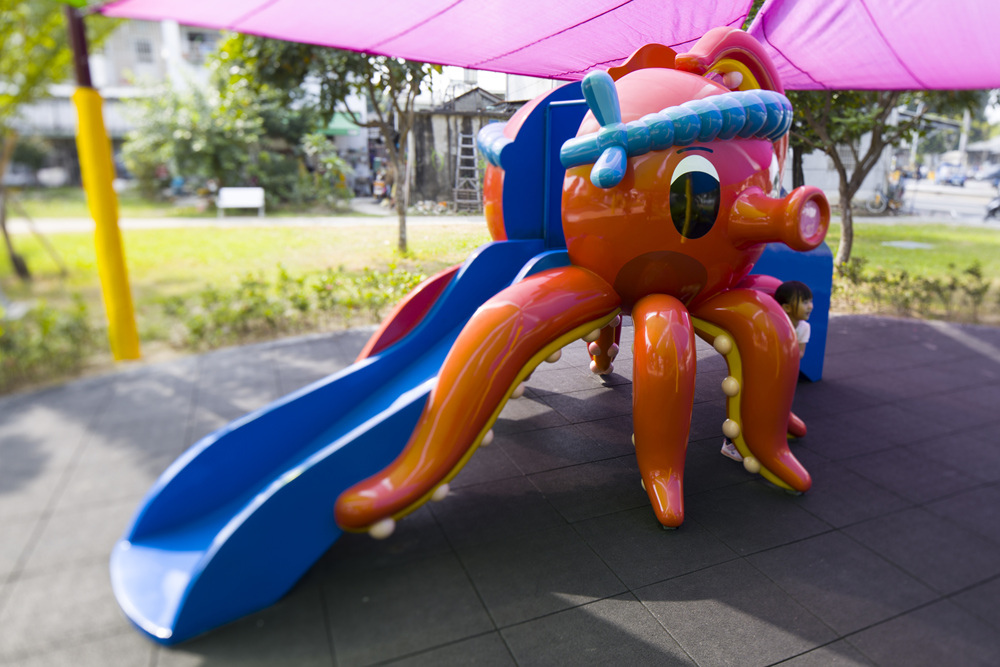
x: 97, y: 169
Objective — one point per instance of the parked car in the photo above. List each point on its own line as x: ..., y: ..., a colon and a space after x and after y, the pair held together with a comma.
x: 19, y: 175
x: 991, y: 176
x: 948, y: 174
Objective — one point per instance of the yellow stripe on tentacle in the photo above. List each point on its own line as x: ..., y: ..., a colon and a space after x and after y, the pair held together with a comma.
x: 733, y: 426
x: 522, y: 376
x: 498, y: 348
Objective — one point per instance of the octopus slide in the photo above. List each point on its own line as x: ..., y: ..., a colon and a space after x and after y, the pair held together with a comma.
x: 232, y: 525
x: 649, y: 190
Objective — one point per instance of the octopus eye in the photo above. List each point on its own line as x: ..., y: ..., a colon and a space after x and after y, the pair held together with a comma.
x: 694, y: 196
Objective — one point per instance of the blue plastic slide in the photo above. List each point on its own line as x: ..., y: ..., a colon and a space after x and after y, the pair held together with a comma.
x: 232, y: 525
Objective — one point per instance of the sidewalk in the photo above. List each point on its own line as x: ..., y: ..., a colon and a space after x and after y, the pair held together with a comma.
x: 546, y: 551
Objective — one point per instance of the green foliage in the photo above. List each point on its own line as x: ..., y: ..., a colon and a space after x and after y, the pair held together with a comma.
x: 196, y: 133
x: 257, y: 307
x: 328, y: 169
x: 233, y: 135
x: 975, y: 286
x: 957, y: 296
x: 31, y: 152
x: 389, y: 86
x: 45, y: 343
x: 34, y: 53
x: 834, y: 122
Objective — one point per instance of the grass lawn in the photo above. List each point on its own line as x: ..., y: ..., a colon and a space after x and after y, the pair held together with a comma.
x: 171, y: 269
x: 71, y: 202
x: 951, y: 246
x: 165, y: 262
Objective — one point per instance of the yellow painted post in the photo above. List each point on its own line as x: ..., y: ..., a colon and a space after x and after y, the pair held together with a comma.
x: 97, y: 169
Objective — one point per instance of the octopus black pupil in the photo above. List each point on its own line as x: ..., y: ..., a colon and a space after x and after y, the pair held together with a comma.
x: 694, y: 203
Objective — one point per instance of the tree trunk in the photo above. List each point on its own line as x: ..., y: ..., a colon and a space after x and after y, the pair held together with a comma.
x: 20, y: 266
x: 400, y: 193
x: 401, y: 212
x: 846, y: 228
x: 798, y: 175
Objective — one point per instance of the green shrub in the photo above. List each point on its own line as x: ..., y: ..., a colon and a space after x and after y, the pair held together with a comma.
x: 45, y: 343
x: 256, y: 307
x: 900, y: 293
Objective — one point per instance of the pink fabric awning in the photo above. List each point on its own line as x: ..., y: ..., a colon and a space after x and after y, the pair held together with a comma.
x: 872, y: 44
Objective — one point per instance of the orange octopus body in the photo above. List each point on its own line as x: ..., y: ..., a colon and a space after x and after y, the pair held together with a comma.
x: 669, y: 243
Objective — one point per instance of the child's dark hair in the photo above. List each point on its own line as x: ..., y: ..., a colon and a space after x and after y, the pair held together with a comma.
x: 792, y: 292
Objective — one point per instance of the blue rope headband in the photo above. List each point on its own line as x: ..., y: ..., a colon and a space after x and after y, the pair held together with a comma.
x: 745, y: 114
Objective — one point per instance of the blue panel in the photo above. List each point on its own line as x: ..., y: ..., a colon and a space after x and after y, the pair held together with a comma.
x: 562, y: 122
x: 526, y: 163
x: 815, y: 269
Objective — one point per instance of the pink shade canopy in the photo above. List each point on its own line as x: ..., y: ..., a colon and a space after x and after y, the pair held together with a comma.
x: 815, y: 44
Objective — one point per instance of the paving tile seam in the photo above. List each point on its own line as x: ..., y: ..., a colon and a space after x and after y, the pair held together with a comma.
x: 926, y: 505
x: 327, y: 625
x: 817, y: 648
x: 79, y: 641
x: 29, y: 573
x: 53, y: 500
x: 656, y: 619
x: 914, y: 575
x: 502, y: 628
x: 437, y: 647
x: 566, y: 519
x: 465, y: 570
x: 989, y: 386
x: 968, y: 588
x: 497, y: 627
x: 955, y: 433
x: 802, y: 603
x: 847, y: 637
x: 569, y: 466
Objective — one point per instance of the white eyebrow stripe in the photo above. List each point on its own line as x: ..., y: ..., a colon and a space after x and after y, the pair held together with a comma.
x: 694, y: 163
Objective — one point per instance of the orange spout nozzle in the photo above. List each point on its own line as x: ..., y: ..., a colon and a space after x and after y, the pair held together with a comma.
x: 799, y: 220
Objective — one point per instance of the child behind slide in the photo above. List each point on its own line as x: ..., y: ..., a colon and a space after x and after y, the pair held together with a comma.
x: 796, y: 299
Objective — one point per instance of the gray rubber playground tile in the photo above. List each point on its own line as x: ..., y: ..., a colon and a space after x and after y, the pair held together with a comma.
x: 938, y: 634
x: 942, y: 554
x: 486, y: 650
x: 537, y: 574
x: 616, y: 631
x: 841, y: 582
x: 732, y: 614
x: 546, y: 551
x: 640, y: 552
x: 387, y: 613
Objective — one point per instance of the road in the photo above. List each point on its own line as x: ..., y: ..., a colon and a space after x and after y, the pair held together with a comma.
x: 948, y: 202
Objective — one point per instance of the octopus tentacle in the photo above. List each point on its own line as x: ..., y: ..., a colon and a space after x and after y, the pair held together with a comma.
x: 506, y: 338
x: 755, y: 336
x: 604, y: 350
x: 662, y: 398
x: 796, y: 427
